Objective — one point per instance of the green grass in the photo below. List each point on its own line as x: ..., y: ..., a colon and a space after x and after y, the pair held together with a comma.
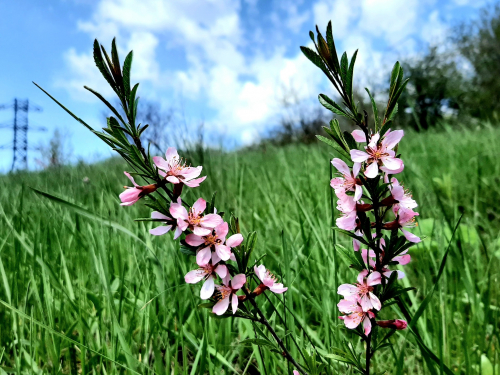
x: 92, y: 292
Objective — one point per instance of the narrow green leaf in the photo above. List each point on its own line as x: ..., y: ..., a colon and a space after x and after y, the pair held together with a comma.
x: 331, y: 46
x: 108, y: 104
x: 127, y: 67
x: 350, y: 75
x: 314, y: 58
x: 99, y: 62
x: 375, y: 110
x: 332, y: 106
x: 66, y: 109
x: 334, y: 145
x: 344, y: 62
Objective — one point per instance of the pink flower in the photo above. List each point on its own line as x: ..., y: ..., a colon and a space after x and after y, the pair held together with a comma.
x: 176, y: 171
x: 349, y: 181
x: 359, y: 136
x: 362, y: 291
x: 214, y: 241
x: 394, y: 324
x: 162, y: 229
x: 406, y: 219
x: 379, y: 153
x: 401, y: 195
x: 194, y: 219
x: 295, y: 372
x: 227, y: 292
x: 133, y: 194
x: 206, y: 273
x: 269, y: 280
x: 355, y: 315
x: 347, y: 206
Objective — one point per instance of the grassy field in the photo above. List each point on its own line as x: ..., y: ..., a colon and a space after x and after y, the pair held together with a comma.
x: 86, y: 289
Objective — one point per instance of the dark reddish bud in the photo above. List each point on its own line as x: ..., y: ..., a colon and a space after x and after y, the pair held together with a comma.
x: 177, y: 190
x: 389, y: 201
x: 391, y: 225
x: 260, y: 289
x: 148, y: 189
x: 393, y: 324
x: 363, y: 207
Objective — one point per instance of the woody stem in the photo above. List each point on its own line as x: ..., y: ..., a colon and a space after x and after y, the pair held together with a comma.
x: 263, y: 320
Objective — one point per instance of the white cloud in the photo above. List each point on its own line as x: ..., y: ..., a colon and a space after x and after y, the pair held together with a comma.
x: 243, y: 89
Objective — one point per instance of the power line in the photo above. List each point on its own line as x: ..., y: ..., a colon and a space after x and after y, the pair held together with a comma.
x: 20, y: 128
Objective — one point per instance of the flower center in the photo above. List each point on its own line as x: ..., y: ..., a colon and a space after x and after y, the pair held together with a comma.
x: 175, y: 166
x: 194, y: 217
x: 207, y: 270
x: 376, y: 153
x: 364, y: 289
x: 224, y: 291
x: 212, y: 240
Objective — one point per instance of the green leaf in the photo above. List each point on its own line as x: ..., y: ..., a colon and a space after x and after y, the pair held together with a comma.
x: 105, y: 102
x: 116, y: 64
x: 101, y: 65
x: 344, y: 62
x: 331, y: 46
x: 250, y: 243
x: 352, y: 235
x: 350, y: 75
x: 67, y: 110
x: 187, y: 250
x: 375, y: 110
x: 394, y: 77
x: 314, y: 58
x: 334, y: 145
x: 334, y: 107
x: 127, y: 67
x: 351, y: 143
x: 259, y: 342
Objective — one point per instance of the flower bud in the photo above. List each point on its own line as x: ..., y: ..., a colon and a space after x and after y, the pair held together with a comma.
x: 394, y: 324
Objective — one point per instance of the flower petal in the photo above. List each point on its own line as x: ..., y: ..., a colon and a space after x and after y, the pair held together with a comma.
x: 410, y: 236
x: 208, y: 288
x: 372, y: 170
x: 392, y: 139
x: 194, y: 240
x: 238, y: 281
x: 359, y: 136
x: 171, y: 153
x: 221, y: 230
x: 234, y: 240
x: 194, y: 183
x: 234, y: 303
x: 203, y: 256
x: 221, y: 306
x: 358, y: 156
x: 200, y: 205
x: 178, y: 211
x: 158, y: 231
x: 159, y: 215
x: 341, y: 166
x: 195, y: 276
x: 211, y: 220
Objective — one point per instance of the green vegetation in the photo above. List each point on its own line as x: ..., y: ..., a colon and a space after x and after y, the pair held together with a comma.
x: 88, y: 290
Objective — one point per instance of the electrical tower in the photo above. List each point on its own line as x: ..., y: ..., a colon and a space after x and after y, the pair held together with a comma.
x: 20, y: 128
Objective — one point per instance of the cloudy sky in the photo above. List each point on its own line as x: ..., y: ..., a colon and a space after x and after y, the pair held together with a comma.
x: 223, y: 62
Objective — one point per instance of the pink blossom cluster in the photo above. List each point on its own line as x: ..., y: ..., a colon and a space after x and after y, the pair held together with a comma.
x: 206, y: 234
x: 377, y: 160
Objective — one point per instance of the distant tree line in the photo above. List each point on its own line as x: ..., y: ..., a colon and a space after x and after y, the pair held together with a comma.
x: 460, y: 81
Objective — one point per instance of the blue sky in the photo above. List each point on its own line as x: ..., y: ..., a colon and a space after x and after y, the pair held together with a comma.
x: 224, y: 62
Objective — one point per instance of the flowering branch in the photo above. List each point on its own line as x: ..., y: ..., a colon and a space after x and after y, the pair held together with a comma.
x: 222, y: 256
x: 367, y: 194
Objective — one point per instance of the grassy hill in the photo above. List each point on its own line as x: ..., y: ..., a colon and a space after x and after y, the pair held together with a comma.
x: 85, y: 271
